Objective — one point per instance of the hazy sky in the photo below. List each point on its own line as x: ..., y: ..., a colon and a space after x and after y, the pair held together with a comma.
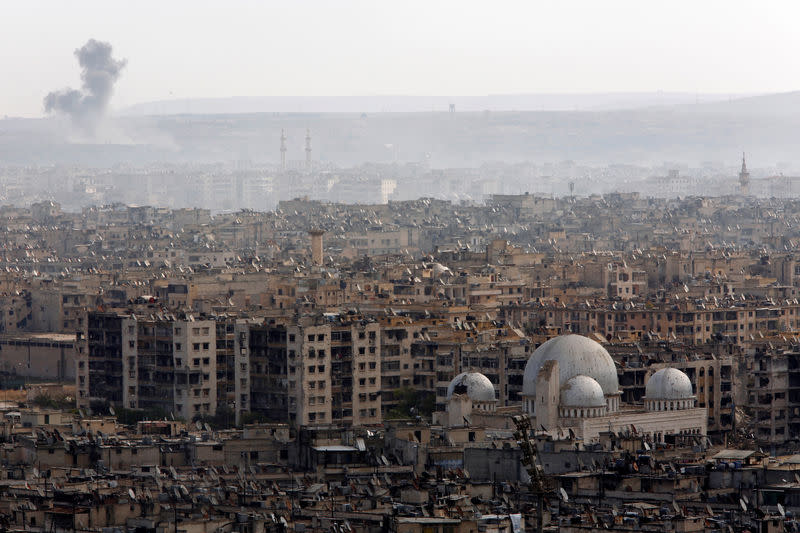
x: 183, y: 48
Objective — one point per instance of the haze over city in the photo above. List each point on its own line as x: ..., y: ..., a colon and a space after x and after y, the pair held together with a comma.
x: 382, y: 267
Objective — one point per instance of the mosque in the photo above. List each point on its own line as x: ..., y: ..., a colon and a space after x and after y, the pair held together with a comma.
x: 570, y: 386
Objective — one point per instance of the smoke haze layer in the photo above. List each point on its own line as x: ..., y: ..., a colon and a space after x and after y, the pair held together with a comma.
x: 99, y: 72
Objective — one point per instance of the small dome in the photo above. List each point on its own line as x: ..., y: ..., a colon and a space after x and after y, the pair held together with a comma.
x: 576, y: 355
x: 668, y: 384
x: 582, y: 391
x: 476, y: 385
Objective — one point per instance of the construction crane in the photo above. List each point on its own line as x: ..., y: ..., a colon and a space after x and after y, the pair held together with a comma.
x: 539, y: 484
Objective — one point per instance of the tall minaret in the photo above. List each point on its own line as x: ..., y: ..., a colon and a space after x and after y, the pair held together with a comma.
x: 283, y: 150
x: 308, y: 149
x: 744, y: 179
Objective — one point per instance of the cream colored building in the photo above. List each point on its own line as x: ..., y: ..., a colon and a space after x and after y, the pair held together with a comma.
x: 571, y: 384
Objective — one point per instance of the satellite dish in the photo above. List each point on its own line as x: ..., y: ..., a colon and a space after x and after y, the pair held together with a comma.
x: 677, y: 509
x: 646, y: 446
x: 111, y: 410
x: 35, y: 472
x: 207, y: 427
x: 563, y: 494
x: 198, y: 425
x: 132, y: 494
x: 743, y: 505
x: 781, y: 510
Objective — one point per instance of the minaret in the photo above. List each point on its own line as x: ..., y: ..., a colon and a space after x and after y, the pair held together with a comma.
x: 744, y: 179
x: 316, y: 246
x: 308, y: 149
x: 283, y: 150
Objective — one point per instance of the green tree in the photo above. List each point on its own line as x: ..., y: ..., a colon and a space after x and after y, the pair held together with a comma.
x: 412, y: 402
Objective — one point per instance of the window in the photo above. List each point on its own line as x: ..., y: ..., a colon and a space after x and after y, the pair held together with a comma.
x: 196, y: 346
x: 196, y: 361
x: 178, y: 346
x: 205, y: 346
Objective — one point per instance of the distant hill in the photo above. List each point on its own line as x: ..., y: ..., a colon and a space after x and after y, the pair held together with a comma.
x: 768, y: 105
x: 638, y: 128
x: 411, y: 104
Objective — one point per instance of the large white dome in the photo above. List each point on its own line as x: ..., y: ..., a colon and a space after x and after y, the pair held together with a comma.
x: 478, y: 387
x: 582, y: 391
x: 668, y: 384
x: 576, y: 355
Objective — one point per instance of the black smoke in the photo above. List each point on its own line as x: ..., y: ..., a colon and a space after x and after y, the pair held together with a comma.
x: 99, y: 73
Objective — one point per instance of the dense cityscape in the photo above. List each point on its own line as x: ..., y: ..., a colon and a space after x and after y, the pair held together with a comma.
x: 366, y: 366
x: 419, y: 267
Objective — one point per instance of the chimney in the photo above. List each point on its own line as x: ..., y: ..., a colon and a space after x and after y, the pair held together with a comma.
x: 316, y: 246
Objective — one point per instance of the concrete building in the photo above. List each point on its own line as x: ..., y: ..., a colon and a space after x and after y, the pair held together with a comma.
x: 151, y: 361
x: 571, y: 385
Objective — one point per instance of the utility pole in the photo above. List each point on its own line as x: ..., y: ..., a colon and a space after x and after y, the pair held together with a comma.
x: 538, y: 485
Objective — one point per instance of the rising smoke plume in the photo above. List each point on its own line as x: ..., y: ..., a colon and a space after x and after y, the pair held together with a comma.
x: 99, y: 73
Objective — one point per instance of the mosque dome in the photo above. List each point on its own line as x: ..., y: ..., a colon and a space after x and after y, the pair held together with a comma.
x: 576, y: 355
x: 668, y: 384
x: 476, y: 385
x: 582, y: 391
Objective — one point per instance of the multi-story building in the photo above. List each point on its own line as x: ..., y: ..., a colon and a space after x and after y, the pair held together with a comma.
x: 153, y: 361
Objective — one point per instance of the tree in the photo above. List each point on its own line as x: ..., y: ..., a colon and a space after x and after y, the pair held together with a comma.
x: 412, y: 402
